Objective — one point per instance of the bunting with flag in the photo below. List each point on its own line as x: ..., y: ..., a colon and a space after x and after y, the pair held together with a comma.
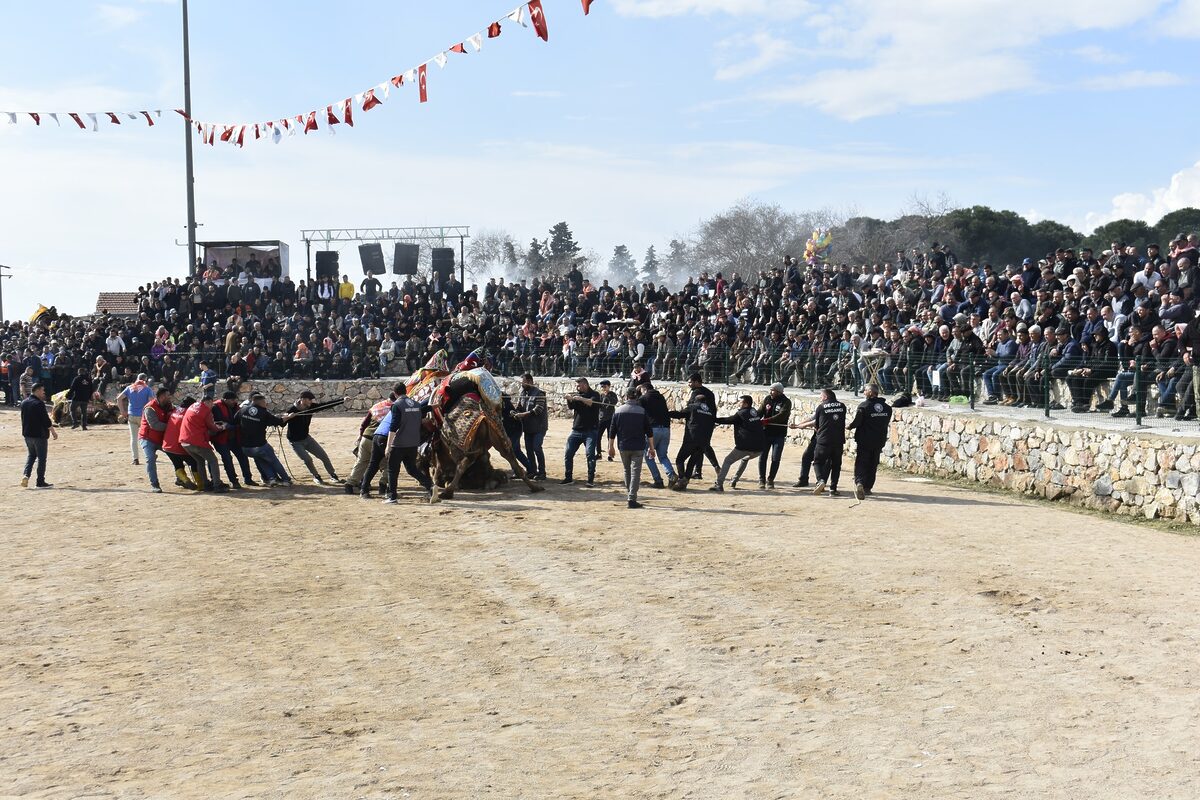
x: 340, y: 112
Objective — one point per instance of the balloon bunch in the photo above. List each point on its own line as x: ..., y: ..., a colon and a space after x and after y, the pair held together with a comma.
x: 819, y: 248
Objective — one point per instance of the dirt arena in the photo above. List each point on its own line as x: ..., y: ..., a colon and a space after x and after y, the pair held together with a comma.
x: 931, y: 642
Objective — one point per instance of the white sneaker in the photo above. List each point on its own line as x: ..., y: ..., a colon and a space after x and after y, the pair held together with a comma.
x: 24, y: 483
x: 389, y: 501
x: 819, y: 489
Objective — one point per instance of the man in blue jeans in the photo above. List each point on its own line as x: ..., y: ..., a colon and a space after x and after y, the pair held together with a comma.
x: 776, y: 413
x: 531, y: 410
x: 660, y: 426
x: 37, y: 428
x: 585, y: 430
x: 253, y: 421
x: 1004, y: 351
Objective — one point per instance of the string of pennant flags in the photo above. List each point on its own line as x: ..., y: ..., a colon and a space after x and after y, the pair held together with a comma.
x: 342, y: 112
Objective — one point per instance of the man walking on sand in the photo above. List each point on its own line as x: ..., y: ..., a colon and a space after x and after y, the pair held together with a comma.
x: 37, y: 428
x: 630, y: 426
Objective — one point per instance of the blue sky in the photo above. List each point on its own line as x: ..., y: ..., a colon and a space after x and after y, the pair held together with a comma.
x: 632, y: 124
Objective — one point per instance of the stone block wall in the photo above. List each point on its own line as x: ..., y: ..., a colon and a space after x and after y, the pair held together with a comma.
x: 1131, y: 473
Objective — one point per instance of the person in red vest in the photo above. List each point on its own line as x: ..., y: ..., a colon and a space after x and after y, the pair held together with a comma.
x: 180, y: 459
x: 152, y: 430
x: 228, y: 442
x: 197, y: 429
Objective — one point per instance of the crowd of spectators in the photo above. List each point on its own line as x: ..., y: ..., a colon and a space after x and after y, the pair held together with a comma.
x: 923, y: 323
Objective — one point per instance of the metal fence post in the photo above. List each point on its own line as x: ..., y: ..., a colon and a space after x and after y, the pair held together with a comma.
x: 971, y: 383
x: 1139, y: 404
x: 1046, y: 385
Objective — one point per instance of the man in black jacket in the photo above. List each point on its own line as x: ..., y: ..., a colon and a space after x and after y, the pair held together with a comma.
x: 829, y: 422
x: 79, y: 395
x: 531, y: 410
x: 870, y: 428
x: 700, y: 415
x: 585, y: 430
x: 303, y: 444
x: 749, y: 440
x: 630, y: 425
x: 37, y: 428
x: 252, y: 422
x: 608, y: 406
x: 660, y: 424
x: 775, y: 413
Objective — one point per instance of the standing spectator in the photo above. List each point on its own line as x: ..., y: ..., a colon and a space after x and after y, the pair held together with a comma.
x: 37, y: 428
x: 28, y: 378
x: 630, y: 425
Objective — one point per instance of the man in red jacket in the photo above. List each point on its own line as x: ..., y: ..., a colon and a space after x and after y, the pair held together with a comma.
x: 197, y: 429
x: 228, y: 442
x: 151, y: 431
x: 180, y: 459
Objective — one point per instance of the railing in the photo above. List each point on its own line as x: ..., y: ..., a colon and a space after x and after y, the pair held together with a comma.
x: 1139, y: 385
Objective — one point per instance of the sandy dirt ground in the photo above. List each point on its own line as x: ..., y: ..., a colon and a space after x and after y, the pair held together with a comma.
x: 931, y: 642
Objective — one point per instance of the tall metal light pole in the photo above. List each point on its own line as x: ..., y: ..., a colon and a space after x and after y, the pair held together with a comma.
x: 2, y: 275
x: 187, y: 135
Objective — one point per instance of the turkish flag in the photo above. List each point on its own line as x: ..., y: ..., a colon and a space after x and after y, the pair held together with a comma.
x: 330, y: 117
x: 458, y: 48
x: 113, y: 117
x: 310, y: 124
x: 493, y: 30
x: 538, y: 18
x: 397, y: 81
x: 149, y: 121
x: 422, y: 72
x: 347, y: 107
x: 587, y: 7
x: 226, y: 134
x: 241, y: 137
x: 37, y: 119
x: 370, y: 100
x: 78, y: 121
x: 257, y: 132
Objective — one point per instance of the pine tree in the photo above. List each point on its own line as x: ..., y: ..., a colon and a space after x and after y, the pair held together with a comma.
x: 678, y: 266
x: 650, y: 265
x: 535, y: 259
x: 563, y: 248
x: 622, y: 267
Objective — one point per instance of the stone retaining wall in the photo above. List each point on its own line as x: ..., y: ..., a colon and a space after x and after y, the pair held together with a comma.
x: 1130, y: 473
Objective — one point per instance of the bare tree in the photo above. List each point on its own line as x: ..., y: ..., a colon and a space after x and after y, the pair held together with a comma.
x: 493, y: 253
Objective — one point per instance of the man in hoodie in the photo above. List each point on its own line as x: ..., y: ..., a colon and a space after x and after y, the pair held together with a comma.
x: 631, y: 427
x: 749, y: 440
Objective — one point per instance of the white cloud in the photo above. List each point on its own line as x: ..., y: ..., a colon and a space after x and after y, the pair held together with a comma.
x: 769, y: 52
x: 1182, y: 191
x: 1136, y: 79
x: 1099, y: 55
x: 672, y: 8
x: 1182, y: 20
x: 112, y: 17
x: 889, y: 56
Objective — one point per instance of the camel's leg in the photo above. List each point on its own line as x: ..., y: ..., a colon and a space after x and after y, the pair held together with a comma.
x: 460, y: 469
x: 505, y: 449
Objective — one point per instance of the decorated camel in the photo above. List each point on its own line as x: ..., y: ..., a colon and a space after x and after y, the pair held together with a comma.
x: 466, y: 402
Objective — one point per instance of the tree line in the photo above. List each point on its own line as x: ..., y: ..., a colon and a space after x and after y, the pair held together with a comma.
x: 752, y: 236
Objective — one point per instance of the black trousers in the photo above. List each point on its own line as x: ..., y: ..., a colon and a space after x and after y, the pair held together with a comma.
x: 829, y: 465
x: 378, y: 448
x: 806, y: 461
x: 690, y: 457
x: 408, y: 457
x: 866, y: 465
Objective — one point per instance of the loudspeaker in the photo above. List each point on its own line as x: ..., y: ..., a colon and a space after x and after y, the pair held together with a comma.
x: 407, y: 256
x: 371, y: 256
x: 443, y: 262
x: 327, y: 264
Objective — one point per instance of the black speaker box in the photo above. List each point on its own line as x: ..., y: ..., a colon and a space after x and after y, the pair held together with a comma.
x: 371, y: 256
x: 443, y: 261
x: 327, y: 264
x: 407, y: 256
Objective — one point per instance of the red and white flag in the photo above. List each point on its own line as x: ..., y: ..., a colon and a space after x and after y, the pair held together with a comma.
x: 347, y: 112
x: 422, y: 72
x: 370, y: 100
x: 330, y: 117
x: 149, y: 121
x: 458, y: 48
x: 115, y: 119
x: 587, y: 7
x: 78, y: 121
x: 310, y: 124
x: 538, y: 17
x: 37, y: 119
x: 493, y: 30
